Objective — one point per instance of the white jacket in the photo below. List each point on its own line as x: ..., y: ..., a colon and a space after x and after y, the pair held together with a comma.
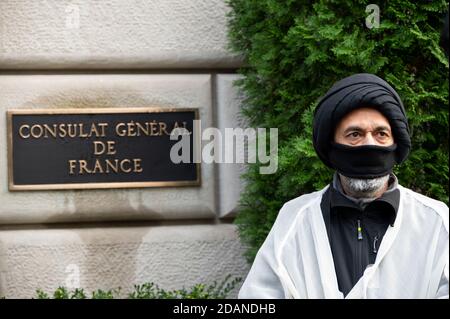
x: 295, y: 260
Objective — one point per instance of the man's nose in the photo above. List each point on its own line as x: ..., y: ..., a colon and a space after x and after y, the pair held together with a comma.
x: 369, y: 139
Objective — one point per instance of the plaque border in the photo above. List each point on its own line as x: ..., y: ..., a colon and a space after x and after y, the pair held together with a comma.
x: 102, y: 185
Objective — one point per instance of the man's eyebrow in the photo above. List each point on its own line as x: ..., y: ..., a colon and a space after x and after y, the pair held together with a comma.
x: 382, y: 128
x: 353, y: 128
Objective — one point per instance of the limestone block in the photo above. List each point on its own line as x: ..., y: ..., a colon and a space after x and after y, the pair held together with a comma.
x: 105, y: 91
x: 113, y: 34
x: 106, y: 258
x: 228, y: 116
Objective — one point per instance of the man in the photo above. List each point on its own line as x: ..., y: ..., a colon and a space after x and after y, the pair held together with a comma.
x: 364, y: 235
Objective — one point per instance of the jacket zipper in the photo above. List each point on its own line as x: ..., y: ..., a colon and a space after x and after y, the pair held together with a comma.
x: 360, y: 237
x: 359, y: 248
x: 375, y: 240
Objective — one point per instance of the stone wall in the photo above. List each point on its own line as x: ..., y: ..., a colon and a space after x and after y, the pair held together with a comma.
x: 118, y: 54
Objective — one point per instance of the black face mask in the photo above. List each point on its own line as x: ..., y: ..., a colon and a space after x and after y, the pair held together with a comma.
x: 365, y: 161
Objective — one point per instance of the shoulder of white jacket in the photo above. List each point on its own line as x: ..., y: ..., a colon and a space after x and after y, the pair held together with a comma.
x: 302, y: 200
x: 293, y: 209
x: 440, y: 208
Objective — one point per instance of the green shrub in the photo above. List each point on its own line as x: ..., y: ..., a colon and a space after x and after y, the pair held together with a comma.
x: 294, y: 50
x: 64, y: 293
x: 150, y: 291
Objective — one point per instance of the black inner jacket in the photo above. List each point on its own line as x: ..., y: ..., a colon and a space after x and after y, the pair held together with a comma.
x: 354, y: 250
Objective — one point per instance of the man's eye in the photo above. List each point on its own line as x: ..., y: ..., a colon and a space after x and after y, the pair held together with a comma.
x: 354, y: 134
x: 383, y: 134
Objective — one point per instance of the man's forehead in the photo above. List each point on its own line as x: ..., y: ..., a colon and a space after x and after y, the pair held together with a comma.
x: 364, y: 116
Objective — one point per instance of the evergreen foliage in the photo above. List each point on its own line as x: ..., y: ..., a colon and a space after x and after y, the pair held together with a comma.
x: 294, y: 50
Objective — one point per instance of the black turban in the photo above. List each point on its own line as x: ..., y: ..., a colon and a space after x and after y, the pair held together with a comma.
x: 355, y: 91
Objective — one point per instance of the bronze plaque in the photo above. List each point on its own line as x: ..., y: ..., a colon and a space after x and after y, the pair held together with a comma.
x: 98, y: 148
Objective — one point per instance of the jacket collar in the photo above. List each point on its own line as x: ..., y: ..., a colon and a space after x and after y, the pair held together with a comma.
x: 388, y: 202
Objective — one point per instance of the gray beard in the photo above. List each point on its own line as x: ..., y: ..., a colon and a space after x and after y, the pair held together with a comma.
x: 363, y: 188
